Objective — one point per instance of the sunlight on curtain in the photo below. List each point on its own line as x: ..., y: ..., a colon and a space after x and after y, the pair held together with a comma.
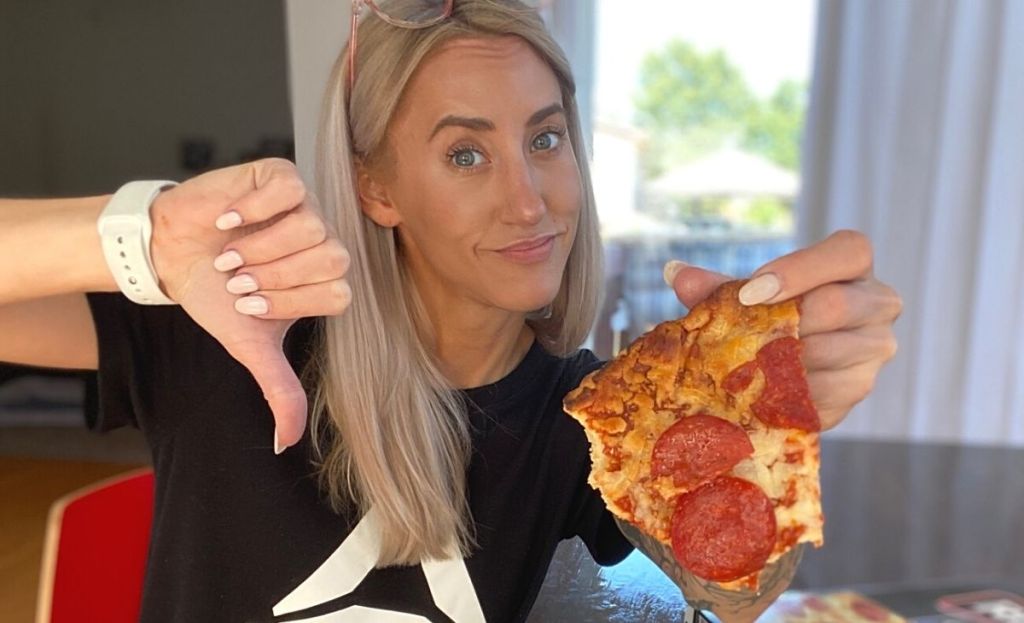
x: 915, y: 136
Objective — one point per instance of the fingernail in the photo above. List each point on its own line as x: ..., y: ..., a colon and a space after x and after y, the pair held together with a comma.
x: 252, y: 305
x: 242, y: 284
x: 672, y: 269
x: 229, y: 260
x: 229, y: 220
x: 278, y: 449
x: 760, y: 289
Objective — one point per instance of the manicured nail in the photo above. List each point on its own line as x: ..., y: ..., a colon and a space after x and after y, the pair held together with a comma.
x: 252, y: 305
x: 672, y: 269
x: 242, y: 284
x: 229, y: 220
x: 229, y: 260
x: 760, y: 289
x: 278, y: 449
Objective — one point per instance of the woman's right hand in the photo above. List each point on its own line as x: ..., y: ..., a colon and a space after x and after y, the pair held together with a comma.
x: 279, y: 243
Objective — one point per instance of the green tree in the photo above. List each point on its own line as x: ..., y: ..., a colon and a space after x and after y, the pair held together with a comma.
x: 690, y: 102
x: 693, y: 103
x: 773, y: 128
x: 683, y: 89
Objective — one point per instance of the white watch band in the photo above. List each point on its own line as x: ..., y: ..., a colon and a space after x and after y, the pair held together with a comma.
x: 125, y: 230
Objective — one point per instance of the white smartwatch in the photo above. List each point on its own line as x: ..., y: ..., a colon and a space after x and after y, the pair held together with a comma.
x: 125, y: 230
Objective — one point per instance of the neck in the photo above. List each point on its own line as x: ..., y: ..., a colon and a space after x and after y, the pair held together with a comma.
x: 475, y: 344
x: 480, y: 354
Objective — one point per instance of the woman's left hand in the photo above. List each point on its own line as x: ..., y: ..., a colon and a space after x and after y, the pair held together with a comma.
x: 846, y: 314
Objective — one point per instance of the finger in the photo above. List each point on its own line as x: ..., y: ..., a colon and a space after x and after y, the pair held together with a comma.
x: 324, y: 262
x: 842, y: 349
x: 296, y: 231
x: 282, y: 391
x: 840, y: 306
x: 843, y: 256
x: 690, y: 283
x: 835, y: 392
x: 278, y: 189
x: 318, y: 299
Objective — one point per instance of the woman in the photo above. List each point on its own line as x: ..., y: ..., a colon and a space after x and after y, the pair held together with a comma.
x: 468, y: 278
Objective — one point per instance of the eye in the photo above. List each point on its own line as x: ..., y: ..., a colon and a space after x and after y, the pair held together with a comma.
x: 548, y: 140
x: 466, y: 157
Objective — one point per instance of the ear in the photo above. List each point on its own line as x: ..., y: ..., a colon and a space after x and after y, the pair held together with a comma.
x: 374, y: 199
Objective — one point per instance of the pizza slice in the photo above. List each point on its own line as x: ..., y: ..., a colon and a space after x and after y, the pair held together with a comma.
x: 703, y: 436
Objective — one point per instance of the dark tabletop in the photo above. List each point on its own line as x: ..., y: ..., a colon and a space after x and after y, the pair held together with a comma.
x: 897, y: 515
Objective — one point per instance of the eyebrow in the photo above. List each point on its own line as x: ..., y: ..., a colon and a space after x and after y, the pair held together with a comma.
x: 481, y: 124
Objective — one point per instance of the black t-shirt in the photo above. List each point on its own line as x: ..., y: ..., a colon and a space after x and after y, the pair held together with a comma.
x: 240, y: 534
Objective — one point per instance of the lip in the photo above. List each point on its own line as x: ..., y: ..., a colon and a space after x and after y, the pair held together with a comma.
x: 531, y: 250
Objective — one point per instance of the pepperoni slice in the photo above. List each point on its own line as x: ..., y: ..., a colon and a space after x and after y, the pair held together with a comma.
x: 785, y: 401
x: 739, y: 379
x: 869, y: 610
x: 724, y: 530
x: 698, y: 448
x: 817, y: 603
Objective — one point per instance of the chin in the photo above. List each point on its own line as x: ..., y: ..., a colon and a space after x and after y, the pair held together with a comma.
x: 531, y: 301
x: 528, y: 292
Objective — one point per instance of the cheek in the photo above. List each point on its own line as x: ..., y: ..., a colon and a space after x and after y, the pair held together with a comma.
x: 441, y: 225
x: 431, y: 207
x: 564, y: 196
x: 441, y: 230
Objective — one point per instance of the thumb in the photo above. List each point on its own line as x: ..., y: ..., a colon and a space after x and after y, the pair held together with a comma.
x: 691, y: 283
x: 282, y: 391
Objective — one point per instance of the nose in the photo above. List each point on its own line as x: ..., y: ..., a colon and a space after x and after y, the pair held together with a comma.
x: 523, y: 200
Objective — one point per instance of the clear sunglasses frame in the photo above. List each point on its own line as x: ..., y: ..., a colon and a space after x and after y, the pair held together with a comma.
x: 357, y: 8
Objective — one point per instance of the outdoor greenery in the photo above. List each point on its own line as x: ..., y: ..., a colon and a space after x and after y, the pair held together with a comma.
x: 693, y: 103
x: 719, y: 214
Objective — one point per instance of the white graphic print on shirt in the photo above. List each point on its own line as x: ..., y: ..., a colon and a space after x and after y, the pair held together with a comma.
x: 348, y: 566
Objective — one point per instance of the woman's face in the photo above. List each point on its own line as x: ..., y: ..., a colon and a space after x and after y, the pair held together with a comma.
x: 481, y: 180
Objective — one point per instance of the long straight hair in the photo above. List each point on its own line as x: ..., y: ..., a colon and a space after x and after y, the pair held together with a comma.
x: 388, y: 428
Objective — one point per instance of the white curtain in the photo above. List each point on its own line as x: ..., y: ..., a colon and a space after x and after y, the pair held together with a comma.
x: 915, y: 135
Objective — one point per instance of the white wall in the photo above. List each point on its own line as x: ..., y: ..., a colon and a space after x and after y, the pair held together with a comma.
x: 94, y: 92
x: 317, y: 31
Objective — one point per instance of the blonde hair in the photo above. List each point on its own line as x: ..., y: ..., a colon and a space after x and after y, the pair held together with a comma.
x: 389, y: 430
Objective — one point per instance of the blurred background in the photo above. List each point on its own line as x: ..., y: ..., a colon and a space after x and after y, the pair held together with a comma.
x: 721, y: 133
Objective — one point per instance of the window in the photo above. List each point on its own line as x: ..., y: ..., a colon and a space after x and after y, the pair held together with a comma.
x: 697, y: 111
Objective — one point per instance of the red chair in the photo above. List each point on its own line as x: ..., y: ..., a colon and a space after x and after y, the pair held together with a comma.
x: 94, y: 558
